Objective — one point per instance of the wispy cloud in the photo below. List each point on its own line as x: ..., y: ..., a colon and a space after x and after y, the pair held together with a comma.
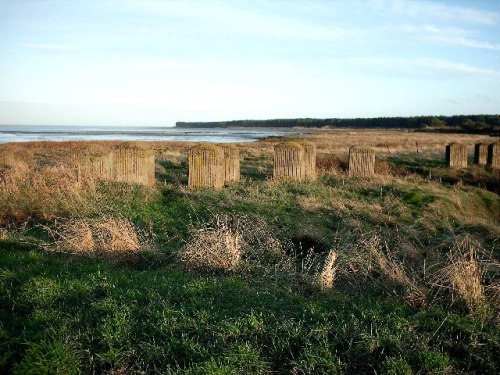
x: 164, y: 65
x: 49, y: 46
x: 437, y: 10
x: 463, y: 42
x: 449, y: 36
x: 422, y: 67
x: 232, y: 17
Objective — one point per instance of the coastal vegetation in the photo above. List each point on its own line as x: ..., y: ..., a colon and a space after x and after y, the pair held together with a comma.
x: 396, y: 273
x: 480, y: 124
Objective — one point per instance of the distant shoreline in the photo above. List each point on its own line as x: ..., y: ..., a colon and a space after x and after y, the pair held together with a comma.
x: 472, y: 124
x: 23, y: 133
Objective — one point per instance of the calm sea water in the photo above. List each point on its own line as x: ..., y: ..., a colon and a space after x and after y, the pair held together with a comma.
x: 15, y: 133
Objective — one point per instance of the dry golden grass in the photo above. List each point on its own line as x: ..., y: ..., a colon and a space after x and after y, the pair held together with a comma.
x: 42, y: 191
x: 388, y: 141
x: 110, y: 237
x: 332, y: 164
x: 4, y: 234
x: 463, y: 275
x: 11, y: 177
x: 327, y: 141
x: 326, y: 278
x: 393, y: 270
x: 215, y: 246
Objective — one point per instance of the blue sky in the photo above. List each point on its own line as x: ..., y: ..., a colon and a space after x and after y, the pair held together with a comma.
x: 157, y: 62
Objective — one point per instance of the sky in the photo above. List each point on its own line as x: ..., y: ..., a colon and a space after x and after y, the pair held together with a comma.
x: 157, y: 62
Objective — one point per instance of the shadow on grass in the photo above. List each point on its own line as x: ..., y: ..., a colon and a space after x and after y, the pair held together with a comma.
x: 174, y: 172
x: 256, y: 168
x: 435, y: 168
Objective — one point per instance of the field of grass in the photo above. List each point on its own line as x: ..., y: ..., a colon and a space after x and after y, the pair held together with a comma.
x: 398, y: 274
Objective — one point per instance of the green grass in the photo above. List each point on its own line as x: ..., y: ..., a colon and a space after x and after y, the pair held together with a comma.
x: 64, y: 314
x: 431, y: 167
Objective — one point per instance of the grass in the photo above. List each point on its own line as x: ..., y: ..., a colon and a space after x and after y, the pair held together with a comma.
x: 88, y: 315
x: 376, y: 244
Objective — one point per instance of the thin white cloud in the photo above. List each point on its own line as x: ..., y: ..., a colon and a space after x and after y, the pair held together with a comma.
x: 164, y: 65
x: 231, y: 17
x: 449, y: 36
x: 437, y: 10
x: 48, y: 46
x: 422, y: 66
x: 453, y: 67
x: 223, y: 67
x: 464, y: 42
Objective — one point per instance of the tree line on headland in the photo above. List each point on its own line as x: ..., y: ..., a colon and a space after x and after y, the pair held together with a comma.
x: 480, y: 124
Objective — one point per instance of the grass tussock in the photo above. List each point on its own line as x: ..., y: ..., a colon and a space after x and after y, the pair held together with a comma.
x: 4, y: 234
x: 109, y: 237
x: 216, y: 246
x: 326, y: 279
x: 463, y: 275
x: 237, y: 243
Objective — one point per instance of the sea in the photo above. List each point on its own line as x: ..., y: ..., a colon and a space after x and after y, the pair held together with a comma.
x: 22, y: 133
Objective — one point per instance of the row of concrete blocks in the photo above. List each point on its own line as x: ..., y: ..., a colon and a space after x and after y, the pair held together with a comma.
x: 212, y: 165
x: 487, y: 154
x: 125, y: 164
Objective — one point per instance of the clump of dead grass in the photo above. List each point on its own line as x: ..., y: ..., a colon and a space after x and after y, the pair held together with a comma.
x: 4, y: 234
x: 11, y: 177
x: 326, y: 278
x: 117, y: 239
x: 366, y: 260
x: 393, y: 270
x: 463, y: 275
x: 466, y: 275
x: 227, y: 243
x: 216, y: 246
